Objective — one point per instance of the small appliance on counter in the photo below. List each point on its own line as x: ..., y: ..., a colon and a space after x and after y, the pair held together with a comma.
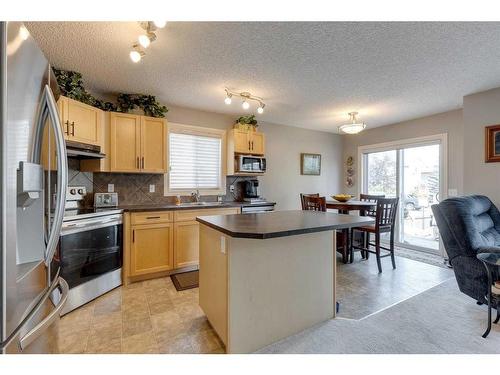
x: 105, y: 200
x: 253, y: 202
x: 90, y: 248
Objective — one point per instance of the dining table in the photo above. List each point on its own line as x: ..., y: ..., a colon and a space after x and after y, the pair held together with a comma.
x: 346, y: 208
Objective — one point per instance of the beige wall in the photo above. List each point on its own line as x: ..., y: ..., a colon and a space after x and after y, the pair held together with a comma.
x: 283, y: 182
x: 480, y: 110
x: 447, y: 122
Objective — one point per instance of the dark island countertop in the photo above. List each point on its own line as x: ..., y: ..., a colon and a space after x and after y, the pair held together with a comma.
x: 173, y: 207
x: 281, y: 223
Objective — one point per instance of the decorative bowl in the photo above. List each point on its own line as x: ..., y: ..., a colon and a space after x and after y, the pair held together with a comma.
x: 342, y: 197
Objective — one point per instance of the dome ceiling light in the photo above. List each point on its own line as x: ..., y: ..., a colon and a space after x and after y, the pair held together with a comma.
x: 354, y: 126
x: 144, y: 40
x: 246, y: 97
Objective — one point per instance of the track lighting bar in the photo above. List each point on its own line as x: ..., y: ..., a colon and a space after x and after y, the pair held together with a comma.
x: 246, y: 97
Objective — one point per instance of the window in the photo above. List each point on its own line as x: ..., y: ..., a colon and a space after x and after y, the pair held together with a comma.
x: 195, y: 159
x: 415, y: 171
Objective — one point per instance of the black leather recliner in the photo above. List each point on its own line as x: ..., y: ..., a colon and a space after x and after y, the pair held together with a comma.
x: 468, y: 226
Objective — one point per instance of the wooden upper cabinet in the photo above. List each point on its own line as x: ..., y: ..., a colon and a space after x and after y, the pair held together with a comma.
x: 241, y: 141
x: 257, y: 141
x: 80, y: 122
x: 153, y: 145
x: 245, y: 142
x: 138, y: 143
x: 125, y: 143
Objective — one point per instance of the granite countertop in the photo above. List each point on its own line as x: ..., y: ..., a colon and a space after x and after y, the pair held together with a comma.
x: 281, y: 223
x: 173, y: 207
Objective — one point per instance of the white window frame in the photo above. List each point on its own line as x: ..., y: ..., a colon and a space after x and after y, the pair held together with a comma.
x: 441, y: 139
x: 204, y: 132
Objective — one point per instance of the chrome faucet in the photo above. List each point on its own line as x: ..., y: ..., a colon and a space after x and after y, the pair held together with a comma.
x: 195, y: 196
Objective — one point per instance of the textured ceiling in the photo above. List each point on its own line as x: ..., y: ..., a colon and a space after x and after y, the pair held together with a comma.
x: 310, y: 74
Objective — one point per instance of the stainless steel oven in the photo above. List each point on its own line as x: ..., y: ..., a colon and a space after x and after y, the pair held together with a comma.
x: 250, y: 163
x: 90, y: 253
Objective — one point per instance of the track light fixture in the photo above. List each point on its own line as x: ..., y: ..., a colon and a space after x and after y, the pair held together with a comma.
x: 246, y: 97
x: 144, y: 40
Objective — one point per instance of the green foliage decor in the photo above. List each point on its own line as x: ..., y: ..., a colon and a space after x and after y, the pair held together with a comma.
x: 148, y: 103
x: 247, y: 120
x: 71, y: 85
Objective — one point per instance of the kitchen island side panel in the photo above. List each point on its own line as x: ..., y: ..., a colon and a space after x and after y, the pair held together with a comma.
x: 213, y: 280
x: 278, y: 287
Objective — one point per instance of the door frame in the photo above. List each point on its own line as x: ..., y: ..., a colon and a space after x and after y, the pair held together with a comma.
x: 441, y: 139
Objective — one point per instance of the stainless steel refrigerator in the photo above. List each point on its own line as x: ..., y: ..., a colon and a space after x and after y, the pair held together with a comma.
x: 32, y: 196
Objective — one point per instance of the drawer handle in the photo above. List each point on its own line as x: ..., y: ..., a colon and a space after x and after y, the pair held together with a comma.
x: 153, y: 217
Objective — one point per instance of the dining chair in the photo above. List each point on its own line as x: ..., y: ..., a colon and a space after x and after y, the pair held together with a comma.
x: 370, y: 212
x: 312, y: 203
x: 303, y: 196
x: 385, y: 220
x: 341, y: 238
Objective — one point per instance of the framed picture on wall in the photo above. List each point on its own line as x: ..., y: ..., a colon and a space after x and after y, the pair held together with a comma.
x: 310, y: 164
x: 492, y: 143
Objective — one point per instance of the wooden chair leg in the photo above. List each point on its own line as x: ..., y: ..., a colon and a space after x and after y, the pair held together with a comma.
x: 377, y: 249
x: 392, y: 251
x: 349, y: 245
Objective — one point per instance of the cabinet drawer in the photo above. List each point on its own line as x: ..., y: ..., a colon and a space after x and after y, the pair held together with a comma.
x: 151, y: 217
x: 189, y: 215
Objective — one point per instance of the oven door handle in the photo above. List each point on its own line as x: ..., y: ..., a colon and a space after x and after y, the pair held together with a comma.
x: 70, y: 228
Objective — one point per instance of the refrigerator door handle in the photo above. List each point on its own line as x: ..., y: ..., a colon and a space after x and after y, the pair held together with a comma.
x: 49, y: 110
x: 49, y: 319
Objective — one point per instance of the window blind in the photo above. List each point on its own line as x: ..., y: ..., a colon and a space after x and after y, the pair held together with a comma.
x: 195, y: 162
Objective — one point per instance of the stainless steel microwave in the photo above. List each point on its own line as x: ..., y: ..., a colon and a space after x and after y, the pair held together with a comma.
x: 250, y: 164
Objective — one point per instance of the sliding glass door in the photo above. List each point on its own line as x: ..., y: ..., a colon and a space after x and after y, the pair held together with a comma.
x: 414, y: 173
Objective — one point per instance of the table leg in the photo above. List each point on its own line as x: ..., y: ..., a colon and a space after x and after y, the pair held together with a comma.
x: 485, y: 334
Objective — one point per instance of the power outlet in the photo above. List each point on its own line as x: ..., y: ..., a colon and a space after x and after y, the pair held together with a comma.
x: 231, y: 188
x: 111, y: 188
x: 152, y: 188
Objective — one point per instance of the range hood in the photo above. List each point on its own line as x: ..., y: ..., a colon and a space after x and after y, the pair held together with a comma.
x: 77, y: 150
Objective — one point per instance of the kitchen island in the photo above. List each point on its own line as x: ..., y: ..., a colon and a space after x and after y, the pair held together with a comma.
x: 264, y: 277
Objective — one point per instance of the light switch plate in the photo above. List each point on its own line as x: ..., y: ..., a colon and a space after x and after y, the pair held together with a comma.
x: 111, y: 188
x: 452, y: 192
x: 152, y: 188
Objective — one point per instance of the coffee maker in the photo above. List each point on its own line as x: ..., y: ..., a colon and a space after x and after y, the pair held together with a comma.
x: 251, y: 191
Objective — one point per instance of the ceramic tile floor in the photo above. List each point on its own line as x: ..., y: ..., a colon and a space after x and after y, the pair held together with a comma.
x: 144, y: 317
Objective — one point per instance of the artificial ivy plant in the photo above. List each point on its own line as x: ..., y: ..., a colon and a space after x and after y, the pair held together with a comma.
x: 247, y: 120
x: 71, y: 85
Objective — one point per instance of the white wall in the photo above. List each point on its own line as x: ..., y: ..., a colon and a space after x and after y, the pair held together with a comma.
x: 283, y: 182
x: 480, y: 110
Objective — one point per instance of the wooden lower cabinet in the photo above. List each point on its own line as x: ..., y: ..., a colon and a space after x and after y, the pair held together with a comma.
x: 157, y: 243
x: 151, y: 248
x: 186, y: 243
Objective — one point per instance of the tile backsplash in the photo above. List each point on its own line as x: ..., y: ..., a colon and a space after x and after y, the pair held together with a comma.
x: 134, y: 188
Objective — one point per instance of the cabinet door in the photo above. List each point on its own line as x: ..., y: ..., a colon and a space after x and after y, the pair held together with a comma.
x: 125, y: 133
x: 153, y: 141
x: 83, y: 121
x: 151, y: 249
x: 241, y: 141
x: 186, y: 244
x: 62, y: 103
x: 257, y: 143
